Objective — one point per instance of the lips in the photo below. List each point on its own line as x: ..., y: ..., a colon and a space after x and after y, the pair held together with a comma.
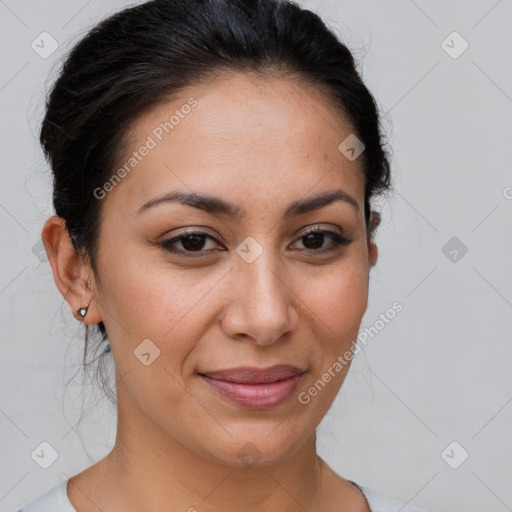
x: 254, y: 388
x: 251, y: 375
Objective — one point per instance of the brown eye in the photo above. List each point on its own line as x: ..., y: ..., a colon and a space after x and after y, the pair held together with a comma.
x: 191, y: 242
x: 313, y: 240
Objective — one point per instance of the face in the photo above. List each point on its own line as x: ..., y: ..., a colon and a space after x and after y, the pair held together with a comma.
x: 245, y: 280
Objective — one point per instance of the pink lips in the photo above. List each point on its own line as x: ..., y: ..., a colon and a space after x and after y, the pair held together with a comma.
x: 254, y: 388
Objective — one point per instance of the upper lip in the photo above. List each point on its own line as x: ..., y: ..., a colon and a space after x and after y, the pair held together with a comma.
x: 253, y: 375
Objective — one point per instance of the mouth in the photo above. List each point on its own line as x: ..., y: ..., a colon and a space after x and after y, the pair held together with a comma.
x: 254, y: 388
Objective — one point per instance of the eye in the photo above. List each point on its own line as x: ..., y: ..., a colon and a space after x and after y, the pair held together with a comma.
x: 190, y: 241
x: 314, y: 238
x: 195, y: 241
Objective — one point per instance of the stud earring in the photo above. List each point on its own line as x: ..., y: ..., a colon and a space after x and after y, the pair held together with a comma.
x: 82, y: 311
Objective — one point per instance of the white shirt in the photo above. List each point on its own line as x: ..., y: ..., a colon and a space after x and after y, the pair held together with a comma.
x: 56, y: 500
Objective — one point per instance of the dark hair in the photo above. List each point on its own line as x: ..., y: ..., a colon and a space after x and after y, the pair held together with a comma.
x: 143, y: 55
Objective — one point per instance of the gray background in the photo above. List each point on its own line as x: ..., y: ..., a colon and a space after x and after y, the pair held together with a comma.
x: 439, y: 372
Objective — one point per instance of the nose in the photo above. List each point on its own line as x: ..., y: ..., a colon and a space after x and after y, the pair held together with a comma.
x: 263, y: 307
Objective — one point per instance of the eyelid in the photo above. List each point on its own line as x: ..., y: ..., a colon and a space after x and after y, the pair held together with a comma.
x: 196, y: 230
x: 318, y: 227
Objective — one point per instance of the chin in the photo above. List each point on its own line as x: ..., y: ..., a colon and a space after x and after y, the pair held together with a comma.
x: 263, y: 448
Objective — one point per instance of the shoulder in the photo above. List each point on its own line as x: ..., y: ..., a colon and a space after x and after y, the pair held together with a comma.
x: 54, y: 500
x: 380, y: 503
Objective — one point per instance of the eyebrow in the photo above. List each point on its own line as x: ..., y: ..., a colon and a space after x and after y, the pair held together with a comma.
x: 217, y: 205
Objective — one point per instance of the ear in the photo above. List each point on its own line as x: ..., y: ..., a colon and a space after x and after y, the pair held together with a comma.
x: 74, y: 278
x: 373, y: 251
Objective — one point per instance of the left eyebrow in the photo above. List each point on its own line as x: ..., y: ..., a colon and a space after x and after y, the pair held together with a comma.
x: 319, y: 201
x: 217, y: 205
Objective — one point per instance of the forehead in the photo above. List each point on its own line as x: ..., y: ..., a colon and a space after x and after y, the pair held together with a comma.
x: 240, y: 134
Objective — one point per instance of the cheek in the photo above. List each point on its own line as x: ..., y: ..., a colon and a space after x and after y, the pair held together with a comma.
x: 335, y: 305
x: 337, y: 301
x: 163, y: 305
x: 172, y: 311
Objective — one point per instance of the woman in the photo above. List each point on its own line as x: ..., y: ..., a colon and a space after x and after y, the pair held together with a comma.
x: 214, y: 164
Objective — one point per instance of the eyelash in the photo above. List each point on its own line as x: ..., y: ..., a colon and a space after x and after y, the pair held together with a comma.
x: 167, y: 245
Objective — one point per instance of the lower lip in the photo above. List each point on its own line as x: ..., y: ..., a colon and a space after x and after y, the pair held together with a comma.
x: 255, y: 396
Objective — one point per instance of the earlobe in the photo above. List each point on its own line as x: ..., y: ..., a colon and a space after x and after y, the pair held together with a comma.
x: 70, y: 273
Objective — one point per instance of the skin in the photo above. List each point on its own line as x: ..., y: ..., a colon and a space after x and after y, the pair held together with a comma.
x: 260, y: 144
